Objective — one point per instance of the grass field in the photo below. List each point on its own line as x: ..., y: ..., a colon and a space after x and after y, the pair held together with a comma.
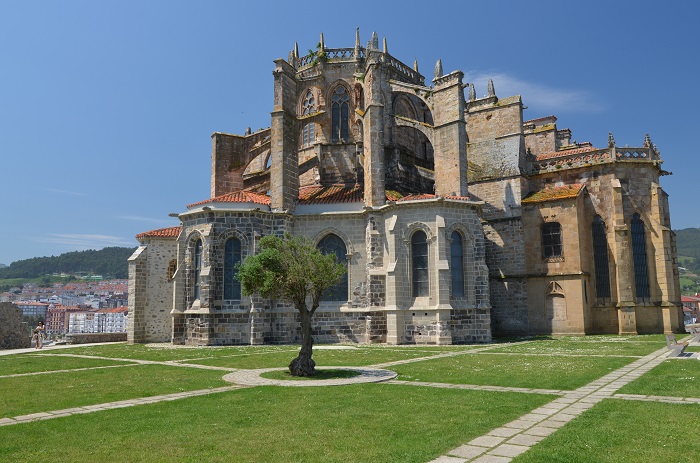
x: 383, y: 422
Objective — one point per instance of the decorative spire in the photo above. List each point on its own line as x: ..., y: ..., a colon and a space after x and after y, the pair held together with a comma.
x: 386, y: 49
x: 374, y: 42
x: 296, y: 50
x: 322, y: 43
x: 438, y: 69
x: 472, y: 93
x: 415, y: 65
x: 357, y: 38
x: 291, y: 59
x: 647, y: 141
x: 491, y: 90
x: 611, y: 140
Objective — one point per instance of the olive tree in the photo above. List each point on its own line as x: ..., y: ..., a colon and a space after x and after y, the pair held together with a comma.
x: 293, y: 270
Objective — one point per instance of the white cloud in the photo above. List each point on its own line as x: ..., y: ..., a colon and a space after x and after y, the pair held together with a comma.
x: 65, y: 192
x: 537, y: 96
x: 85, y: 241
x: 152, y: 220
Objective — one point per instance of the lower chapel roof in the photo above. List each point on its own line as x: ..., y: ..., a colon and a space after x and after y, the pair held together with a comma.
x: 554, y: 193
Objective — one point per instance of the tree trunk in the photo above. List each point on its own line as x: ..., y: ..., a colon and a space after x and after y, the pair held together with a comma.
x: 304, y: 365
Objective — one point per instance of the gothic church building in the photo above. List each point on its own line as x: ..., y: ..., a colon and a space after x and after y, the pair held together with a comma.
x: 457, y: 219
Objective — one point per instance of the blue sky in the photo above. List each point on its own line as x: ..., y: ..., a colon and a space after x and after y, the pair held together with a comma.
x: 107, y: 108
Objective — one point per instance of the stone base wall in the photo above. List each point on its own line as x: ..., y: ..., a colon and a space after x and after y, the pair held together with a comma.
x: 471, y: 326
x: 509, y: 315
x: 86, y: 338
x: 604, y: 320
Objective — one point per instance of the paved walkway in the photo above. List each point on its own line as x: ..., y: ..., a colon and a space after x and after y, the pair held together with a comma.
x: 499, y: 445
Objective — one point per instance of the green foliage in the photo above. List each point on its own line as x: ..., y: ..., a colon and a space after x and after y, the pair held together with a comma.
x: 109, y: 262
x: 13, y: 334
x: 290, y: 269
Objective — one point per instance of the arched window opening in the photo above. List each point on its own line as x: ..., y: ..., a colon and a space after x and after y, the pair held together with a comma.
x: 197, y: 269
x: 232, y: 257
x: 308, y: 106
x: 600, y: 258
x: 339, y: 114
x: 333, y: 244
x: 639, y: 256
x: 457, y: 264
x: 419, y: 264
x: 172, y: 267
x: 551, y: 240
x: 308, y: 134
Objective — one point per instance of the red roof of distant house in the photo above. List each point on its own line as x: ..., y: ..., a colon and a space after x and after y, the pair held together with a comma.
x: 171, y: 232
x: 240, y: 196
x: 690, y: 299
x: 554, y: 193
x: 567, y: 152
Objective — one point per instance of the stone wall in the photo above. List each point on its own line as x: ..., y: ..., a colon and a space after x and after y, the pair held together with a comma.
x: 86, y: 338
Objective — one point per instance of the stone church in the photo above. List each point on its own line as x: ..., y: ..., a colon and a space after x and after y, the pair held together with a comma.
x: 457, y: 219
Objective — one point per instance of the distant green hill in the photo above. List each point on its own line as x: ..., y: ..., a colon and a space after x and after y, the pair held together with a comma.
x: 688, y: 245
x: 108, y: 262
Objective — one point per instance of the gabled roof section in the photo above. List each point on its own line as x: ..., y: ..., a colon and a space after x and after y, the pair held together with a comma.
x: 170, y: 232
x: 554, y: 193
x: 240, y: 196
x: 318, y: 194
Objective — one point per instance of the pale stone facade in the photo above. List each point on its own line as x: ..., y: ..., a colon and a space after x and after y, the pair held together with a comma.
x: 367, y: 161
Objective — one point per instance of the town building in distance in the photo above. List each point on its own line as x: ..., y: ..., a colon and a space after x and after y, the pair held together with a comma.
x: 457, y: 218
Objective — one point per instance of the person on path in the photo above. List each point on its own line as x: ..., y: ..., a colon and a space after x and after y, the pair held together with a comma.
x: 39, y: 335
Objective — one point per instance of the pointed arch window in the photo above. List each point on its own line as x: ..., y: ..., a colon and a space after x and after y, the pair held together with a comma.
x: 232, y: 257
x: 333, y: 244
x: 639, y: 257
x: 600, y: 258
x: 339, y: 114
x: 197, y: 269
x: 419, y: 264
x: 308, y: 106
x: 457, y: 264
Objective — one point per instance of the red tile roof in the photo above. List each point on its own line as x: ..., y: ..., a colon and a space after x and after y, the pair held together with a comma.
x: 556, y: 154
x: 240, y: 196
x: 554, y: 193
x: 330, y: 195
x: 171, y: 232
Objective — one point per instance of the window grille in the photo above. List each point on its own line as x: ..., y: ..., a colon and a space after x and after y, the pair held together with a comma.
x: 339, y: 114
x: 600, y: 258
x: 419, y: 264
x: 457, y: 264
x: 639, y: 255
x: 232, y: 257
x: 333, y: 244
x: 551, y: 240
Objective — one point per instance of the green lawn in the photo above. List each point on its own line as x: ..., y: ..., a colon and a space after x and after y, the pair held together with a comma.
x: 31, y: 394
x: 16, y: 364
x: 548, y: 372
x: 358, y: 423
x: 619, y: 431
x: 590, y: 345
x: 677, y: 378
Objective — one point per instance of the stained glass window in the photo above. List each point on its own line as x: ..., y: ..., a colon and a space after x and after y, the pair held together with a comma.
x: 457, y: 265
x: 333, y: 244
x: 339, y: 114
x: 419, y: 264
x: 600, y: 258
x: 232, y: 256
x: 197, y: 264
x: 639, y: 255
x: 551, y: 240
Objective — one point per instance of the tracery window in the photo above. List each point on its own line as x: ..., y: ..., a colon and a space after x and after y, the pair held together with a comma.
x: 339, y: 114
x: 600, y: 258
x: 197, y: 269
x: 172, y: 267
x: 457, y: 264
x: 308, y: 106
x: 639, y: 256
x: 419, y: 264
x: 551, y: 240
x: 232, y: 256
x: 333, y: 244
